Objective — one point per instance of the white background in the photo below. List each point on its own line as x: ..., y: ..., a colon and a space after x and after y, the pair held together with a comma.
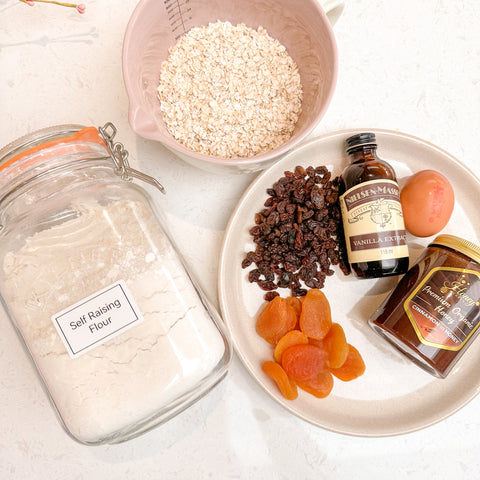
x: 406, y: 65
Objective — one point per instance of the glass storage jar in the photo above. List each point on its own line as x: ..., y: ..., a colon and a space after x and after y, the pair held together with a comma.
x: 121, y: 336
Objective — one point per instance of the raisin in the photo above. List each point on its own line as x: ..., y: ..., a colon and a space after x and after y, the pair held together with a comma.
x: 299, y: 292
x: 298, y: 234
x: 253, y: 275
x: 259, y: 218
x: 269, y: 296
x: 317, y: 197
x: 246, y: 263
x: 254, y: 231
x: 312, y: 283
x: 284, y: 279
x: 267, y: 285
x: 300, y: 171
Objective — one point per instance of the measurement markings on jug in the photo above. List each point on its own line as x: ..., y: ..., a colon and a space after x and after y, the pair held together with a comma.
x: 179, y: 13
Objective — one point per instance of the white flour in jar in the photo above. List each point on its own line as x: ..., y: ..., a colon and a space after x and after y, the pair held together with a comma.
x: 133, y: 376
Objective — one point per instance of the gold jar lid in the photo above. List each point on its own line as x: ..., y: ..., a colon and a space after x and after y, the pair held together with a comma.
x: 460, y: 244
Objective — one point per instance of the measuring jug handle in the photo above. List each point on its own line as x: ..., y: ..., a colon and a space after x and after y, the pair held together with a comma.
x: 333, y: 9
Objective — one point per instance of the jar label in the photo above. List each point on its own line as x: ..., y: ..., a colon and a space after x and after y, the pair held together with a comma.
x: 97, y: 318
x: 373, y: 222
x: 444, y: 308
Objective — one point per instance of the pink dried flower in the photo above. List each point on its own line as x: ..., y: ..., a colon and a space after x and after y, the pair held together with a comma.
x: 81, y: 8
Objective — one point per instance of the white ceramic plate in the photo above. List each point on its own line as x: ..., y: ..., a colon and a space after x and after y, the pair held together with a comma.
x: 394, y: 396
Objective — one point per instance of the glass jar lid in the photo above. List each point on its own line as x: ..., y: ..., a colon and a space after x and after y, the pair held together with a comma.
x: 64, y: 142
x: 460, y: 244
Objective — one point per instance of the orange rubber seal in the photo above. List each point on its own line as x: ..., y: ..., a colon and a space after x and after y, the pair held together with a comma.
x: 71, y: 144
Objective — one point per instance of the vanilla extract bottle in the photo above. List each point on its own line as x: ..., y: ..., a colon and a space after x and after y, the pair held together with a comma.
x: 374, y: 229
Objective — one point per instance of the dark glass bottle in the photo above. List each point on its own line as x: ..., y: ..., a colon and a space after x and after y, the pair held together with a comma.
x: 374, y: 229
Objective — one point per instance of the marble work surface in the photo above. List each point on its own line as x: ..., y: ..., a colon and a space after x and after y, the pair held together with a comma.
x: 404, y: 65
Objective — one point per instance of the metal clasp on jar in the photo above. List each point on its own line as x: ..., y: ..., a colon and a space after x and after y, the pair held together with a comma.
x: 120, y: 158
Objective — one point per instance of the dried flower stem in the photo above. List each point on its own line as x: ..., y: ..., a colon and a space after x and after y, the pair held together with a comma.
x: 80, y: 7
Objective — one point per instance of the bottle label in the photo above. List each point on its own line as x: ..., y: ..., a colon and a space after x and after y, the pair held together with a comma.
x: 97, y: 318
x: 373, y: 222
x: 444, y: 308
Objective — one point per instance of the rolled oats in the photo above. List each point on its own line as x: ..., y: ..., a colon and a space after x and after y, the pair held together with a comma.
x: 230, y: 91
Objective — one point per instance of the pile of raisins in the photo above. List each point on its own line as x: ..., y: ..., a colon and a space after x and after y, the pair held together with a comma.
x: 298, y: 235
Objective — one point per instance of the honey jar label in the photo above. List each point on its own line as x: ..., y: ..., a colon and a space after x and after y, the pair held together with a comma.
x: 97, y: 318
x: 444, y: 308
x: 373, y: 222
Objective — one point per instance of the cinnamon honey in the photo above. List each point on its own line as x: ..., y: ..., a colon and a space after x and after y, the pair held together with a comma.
x: 433, y: 314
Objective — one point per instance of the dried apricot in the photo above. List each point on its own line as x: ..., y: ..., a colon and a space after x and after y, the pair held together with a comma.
x: 275, y: 320
x: 317, y: 343
x: 296, y: 303
x: 320, y: 386
x: 309, y: 348
x: 293, y: 337
x: 352, y: 368
x: 286, y: 385
x: 335, y: 343
x: 302, y: 362
x: 316, y: 317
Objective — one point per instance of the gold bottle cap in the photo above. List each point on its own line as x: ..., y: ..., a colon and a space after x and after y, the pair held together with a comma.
x: 460, y: 244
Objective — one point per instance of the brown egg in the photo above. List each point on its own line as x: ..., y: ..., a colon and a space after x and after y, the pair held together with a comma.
x: 427, y: 201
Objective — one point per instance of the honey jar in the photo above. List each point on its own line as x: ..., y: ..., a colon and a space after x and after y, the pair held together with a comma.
x: 432, y: 316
